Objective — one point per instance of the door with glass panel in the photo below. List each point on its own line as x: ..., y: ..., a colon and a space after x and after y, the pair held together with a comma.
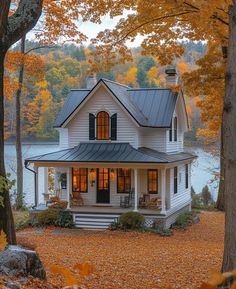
x: 103, y: 187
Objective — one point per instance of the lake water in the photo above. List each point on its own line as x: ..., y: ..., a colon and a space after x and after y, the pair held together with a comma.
x: 202, y: 168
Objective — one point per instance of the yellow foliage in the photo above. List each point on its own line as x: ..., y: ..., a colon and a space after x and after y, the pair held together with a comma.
x: 3, y: 240
x: 85, y: 269
x: 162, y: 25
x: 70, y: 279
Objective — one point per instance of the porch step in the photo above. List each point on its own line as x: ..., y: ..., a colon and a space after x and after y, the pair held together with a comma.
x: 93, y: 221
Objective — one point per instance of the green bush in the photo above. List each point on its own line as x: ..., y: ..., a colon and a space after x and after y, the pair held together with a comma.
x: 197, y: 201
x: 64, y: 219
x: 114, y: 225
x: 183, y: 221
x: 131, y: 220
x: 48, y: 217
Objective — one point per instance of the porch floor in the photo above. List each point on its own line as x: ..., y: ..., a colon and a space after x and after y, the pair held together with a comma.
x: 96, y: 209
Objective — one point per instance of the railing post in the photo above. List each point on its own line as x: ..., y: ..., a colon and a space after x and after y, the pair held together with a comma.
x: 68, y: 187
x: 36, y: 185
x: 163, y: 191
x: 135, y: 190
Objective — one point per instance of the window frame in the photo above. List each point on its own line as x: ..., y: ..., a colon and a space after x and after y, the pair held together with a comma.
x: 124, y: 181
x: 171, y: 131
x: 186, y: 176
x: 148, y: 181
x: 175, y: 180
x: 106, y: 127
x: 175, y: 128
x: 80, y: 175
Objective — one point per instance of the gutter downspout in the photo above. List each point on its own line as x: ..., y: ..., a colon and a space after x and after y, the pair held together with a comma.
x: 35, y: 184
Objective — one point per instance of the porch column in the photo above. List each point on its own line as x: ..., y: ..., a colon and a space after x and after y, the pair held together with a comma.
x: 135, y: 190
x: 163, y: 191
x: 36, y: 186
x: 45, y: 181
x: 68, y: 187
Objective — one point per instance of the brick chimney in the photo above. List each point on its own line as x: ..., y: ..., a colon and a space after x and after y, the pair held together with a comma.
x: 171, y: 76
x: 91, y: 81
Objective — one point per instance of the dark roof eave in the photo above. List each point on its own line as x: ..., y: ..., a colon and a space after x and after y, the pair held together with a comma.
x: 110, y: 162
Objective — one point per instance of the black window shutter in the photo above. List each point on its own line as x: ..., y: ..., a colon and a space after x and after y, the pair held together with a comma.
x: 91, y: 126
x: 114, y: 127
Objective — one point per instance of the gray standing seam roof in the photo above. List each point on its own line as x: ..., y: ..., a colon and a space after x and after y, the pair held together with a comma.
x: 150, y: 107
x: 110, y: 153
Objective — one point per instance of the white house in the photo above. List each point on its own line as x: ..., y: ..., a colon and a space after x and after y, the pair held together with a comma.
x: 121, y: 149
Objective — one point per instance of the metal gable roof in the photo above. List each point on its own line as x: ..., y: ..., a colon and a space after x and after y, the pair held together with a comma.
x: 74, y: 99
x: 149, y: 107
x: 156, y: 104
x: 109, y: 153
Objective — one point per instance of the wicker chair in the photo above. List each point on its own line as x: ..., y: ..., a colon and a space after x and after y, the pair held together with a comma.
x: 76, y: 199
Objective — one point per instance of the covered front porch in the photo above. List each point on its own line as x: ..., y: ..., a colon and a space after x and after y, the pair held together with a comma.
x: 113, y: 188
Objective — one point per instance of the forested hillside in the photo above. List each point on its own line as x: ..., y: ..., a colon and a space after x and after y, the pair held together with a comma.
x: 52, y: 71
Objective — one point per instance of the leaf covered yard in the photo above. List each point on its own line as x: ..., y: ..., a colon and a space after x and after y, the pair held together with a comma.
x: 131, y: 259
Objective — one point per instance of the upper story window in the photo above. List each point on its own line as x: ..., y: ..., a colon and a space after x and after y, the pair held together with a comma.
x: 186, y: 176
x: 102, y: 126
x: 175, y: 180
x: 173, y: 130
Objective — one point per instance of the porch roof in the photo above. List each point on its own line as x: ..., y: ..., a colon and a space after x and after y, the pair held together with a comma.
x: 110, y: 153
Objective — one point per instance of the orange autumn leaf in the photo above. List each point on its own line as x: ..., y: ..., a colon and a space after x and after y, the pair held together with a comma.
x: 85, y: 269
x: 3, y: 240
x: 216, y: 279
x: 206, y: 286
x: 70, y: 279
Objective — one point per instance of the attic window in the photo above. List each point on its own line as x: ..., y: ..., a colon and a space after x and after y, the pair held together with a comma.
x: 103, y: 125
x: 106, y: 126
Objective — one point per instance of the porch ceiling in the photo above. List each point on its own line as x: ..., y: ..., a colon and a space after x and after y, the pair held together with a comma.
x: 122, y: 153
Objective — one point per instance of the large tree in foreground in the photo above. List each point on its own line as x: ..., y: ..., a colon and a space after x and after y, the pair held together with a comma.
x: 12, y: 28
x: 229, y: 147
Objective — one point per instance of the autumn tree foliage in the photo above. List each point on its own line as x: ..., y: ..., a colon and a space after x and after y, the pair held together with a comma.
x: 12, y: 27
x: 58, y: 21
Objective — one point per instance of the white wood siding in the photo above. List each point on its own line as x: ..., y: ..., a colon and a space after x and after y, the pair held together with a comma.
x: 63, y: 138
x: 183, y: 195
x: 176, y: 146
x: 153, y: 138
x: 102, y: 100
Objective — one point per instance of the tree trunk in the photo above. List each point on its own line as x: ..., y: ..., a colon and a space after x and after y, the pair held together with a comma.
x: 220, y: 203
x: 229, y: 147
x: 19, y: 195
x: 6, y: 217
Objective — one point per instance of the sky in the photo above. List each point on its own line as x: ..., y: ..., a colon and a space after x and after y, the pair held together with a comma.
x: 91, y: 29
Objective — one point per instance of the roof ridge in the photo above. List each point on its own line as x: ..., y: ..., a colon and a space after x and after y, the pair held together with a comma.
x: 112, y: 81
x: 78, y: 89
x: 148, y: 88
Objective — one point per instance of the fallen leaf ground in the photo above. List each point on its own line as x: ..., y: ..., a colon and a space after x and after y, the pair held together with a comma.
x: 131, y: 260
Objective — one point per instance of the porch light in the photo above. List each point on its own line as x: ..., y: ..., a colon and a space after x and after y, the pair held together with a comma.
x: 112, y: 174
x: 92, y: 177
